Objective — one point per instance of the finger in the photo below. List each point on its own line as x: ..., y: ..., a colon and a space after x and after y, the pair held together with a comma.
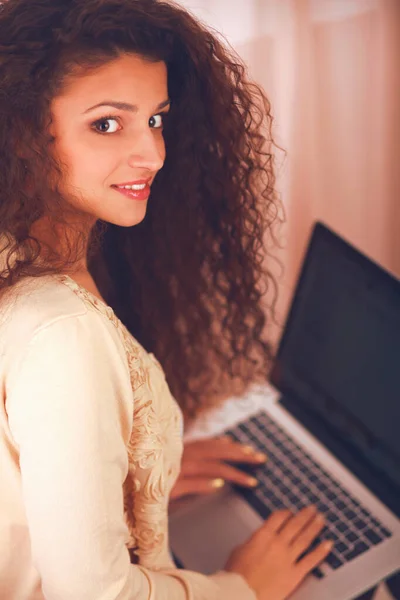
x: 295, y: 525
x: 242, y: 452
x: 195, y: 486
x: 272, y: 525
x: 313, y: 558
x: 310, y: 531
x: 212, y: 469
x: 223, y: 449
x: 307, y: 535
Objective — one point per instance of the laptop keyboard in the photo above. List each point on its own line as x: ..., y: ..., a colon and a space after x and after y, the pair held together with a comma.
x: 292, y: 479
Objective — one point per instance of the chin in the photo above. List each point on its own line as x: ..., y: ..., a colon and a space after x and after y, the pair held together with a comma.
x: 127, y: 220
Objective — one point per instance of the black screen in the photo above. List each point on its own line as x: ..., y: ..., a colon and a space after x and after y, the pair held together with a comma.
x: 340, y: 352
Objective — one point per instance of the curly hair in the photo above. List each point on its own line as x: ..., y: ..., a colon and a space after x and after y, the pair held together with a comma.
x: 192, y: 288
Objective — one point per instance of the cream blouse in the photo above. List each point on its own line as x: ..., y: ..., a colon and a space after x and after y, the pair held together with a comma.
x: 90, y: 447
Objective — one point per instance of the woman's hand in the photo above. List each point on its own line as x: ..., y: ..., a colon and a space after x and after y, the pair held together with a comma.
x: 269, y: 560
x: 204, y: 469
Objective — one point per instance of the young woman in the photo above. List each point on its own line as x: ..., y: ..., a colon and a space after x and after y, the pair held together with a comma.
x: 136, y: 190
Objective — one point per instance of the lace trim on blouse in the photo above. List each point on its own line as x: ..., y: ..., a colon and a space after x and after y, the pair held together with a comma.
x: 145, y: 488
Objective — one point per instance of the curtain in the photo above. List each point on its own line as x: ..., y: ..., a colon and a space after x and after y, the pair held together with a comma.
x: 331, y: 69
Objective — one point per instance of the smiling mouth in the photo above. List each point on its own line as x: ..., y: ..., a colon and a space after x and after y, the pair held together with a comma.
x: 135, y: 192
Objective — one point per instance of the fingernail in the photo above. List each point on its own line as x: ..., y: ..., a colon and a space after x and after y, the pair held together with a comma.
x: 252, y: 481
x: 225, y: 438
x: 217, y: 483
x: 261, y: 456
x: 328, y: 544
x: 248, y: 450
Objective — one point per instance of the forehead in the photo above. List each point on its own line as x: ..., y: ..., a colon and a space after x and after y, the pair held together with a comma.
x: 128, y: 78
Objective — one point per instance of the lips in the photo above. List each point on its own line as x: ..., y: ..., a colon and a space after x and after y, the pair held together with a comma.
x: 141, y: 194
x: 137, y: 182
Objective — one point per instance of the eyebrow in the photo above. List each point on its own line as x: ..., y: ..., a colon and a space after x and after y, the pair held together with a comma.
x: 124, y: 105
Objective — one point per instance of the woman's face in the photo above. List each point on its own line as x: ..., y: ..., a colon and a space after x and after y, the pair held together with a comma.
x: 110, y: 146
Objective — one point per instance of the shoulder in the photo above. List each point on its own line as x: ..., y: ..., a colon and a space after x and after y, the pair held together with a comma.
x: 35, y: 303
x: 41, y: 305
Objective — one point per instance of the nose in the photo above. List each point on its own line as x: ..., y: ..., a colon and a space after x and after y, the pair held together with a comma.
x: 148, y: 151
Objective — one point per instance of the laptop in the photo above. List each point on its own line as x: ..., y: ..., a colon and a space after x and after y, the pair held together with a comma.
x: 331, y: 431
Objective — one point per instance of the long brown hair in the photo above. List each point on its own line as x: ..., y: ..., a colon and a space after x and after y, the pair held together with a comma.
x: 189, y: 281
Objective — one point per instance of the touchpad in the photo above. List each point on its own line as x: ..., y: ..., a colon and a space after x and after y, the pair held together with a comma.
x: 205, y: 531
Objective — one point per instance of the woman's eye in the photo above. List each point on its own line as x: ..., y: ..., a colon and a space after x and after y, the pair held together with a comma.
x: 156, y: 121
x: 104, y: 124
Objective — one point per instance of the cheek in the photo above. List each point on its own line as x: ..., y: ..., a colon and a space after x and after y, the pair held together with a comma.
x: 75, y: 159
x: 91, y: 166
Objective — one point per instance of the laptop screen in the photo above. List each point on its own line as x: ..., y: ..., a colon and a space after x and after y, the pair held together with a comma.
x: 340, y: 351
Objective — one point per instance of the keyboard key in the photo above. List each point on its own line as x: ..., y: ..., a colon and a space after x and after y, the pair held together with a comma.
x: 349, y: 514
x: 351, y: 536
x: 359, y: 524
x: 342, y: 527
x: 331, y: 517
x: 318, y: 573
x: 372, y: 536
x: 341, y: 548
x: 275, y: 480
x: 322, y: 486
x: 313, y: 498
x: 358, y: 549
x: 293, y: 499
x: 340, y: 505
x: 299, y: 504
x: 386, y: 532
x: 334, y: 560
x: 375, y: 522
